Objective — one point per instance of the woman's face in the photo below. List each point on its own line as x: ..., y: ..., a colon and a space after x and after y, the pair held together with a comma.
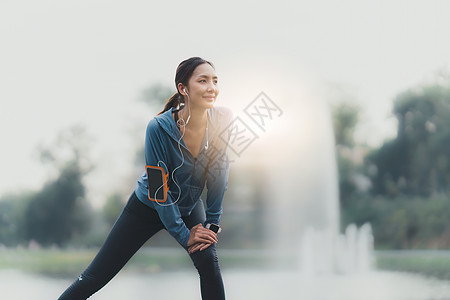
x: 203, y: 87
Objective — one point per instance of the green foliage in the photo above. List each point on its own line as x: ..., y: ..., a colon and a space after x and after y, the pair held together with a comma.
x: 403, y: 222
x: 416, y: 162
x: 347, y: 185
x: 345, y: 119
x: 12, y: 216
x: 408, y: 205
x: 59, y: 211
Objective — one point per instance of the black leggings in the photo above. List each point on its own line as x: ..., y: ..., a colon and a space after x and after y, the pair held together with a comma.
x: 135, y: 225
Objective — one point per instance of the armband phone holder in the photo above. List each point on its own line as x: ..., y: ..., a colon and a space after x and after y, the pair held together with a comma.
x: 157, y: 183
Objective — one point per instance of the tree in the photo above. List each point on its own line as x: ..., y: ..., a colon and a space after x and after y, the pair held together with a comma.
x: 59, y: 211
x: 417, y: 161
x: 345, y: 119
x: 12, y: 217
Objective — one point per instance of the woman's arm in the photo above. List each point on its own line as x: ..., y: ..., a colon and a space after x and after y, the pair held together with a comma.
x: 169, y: 214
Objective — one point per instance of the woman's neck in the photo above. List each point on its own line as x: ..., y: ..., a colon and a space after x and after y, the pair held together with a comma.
x: 197, y: 121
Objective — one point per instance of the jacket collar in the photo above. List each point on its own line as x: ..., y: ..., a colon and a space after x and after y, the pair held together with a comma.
x: 166, y: 121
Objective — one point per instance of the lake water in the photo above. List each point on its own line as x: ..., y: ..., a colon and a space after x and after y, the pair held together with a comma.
x: 240, y: 285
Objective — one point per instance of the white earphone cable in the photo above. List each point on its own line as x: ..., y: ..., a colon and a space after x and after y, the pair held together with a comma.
x: 182, y: 161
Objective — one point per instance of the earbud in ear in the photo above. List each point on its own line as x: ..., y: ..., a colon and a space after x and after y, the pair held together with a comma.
x: 185, y: 91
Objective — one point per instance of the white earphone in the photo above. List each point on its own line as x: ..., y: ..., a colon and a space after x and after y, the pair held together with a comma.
x: 187, y: 121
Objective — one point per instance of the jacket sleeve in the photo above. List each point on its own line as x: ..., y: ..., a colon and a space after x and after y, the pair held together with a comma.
x: 218, y: 171
x: 170, y: 214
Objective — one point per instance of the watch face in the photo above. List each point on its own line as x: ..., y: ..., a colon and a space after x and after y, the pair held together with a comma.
x: 214, y: 227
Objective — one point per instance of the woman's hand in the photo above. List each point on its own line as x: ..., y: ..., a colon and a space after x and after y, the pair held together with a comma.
x: 201, y: 238
x: 199, y: 246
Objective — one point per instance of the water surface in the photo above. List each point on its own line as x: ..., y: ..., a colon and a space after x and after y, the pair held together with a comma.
x: 248, y: 285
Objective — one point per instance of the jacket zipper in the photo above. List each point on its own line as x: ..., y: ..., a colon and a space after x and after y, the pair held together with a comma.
x: 195, y: 164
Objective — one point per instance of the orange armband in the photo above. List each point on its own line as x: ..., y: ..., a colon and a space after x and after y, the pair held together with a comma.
x: 157, y: 183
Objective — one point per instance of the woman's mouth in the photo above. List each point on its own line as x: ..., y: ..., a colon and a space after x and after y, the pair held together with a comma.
x: 210, y: 98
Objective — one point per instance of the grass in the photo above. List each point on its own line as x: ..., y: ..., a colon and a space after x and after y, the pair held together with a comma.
x: 50, y: 262
x: 69, y: 263
x: 433, y: 263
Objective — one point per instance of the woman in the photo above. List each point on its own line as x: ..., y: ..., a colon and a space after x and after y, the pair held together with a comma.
x: 189, y: 143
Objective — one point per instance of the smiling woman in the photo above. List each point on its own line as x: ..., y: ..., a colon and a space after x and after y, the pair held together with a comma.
x: 185, y: 143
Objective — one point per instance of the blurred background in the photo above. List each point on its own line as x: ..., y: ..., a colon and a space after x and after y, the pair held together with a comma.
x: 343, y: 181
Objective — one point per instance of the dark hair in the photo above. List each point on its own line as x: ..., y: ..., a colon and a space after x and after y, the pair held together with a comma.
x: 183, y: 74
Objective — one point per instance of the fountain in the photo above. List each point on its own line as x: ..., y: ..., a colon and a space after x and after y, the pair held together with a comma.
x: 301, y: 194
x: 321, y: 251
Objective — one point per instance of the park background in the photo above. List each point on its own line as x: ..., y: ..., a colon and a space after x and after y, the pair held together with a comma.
x: 80, y: 81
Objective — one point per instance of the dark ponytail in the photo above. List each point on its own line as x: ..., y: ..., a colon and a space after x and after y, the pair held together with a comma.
x: 173, y: 101
x: 183, y: 74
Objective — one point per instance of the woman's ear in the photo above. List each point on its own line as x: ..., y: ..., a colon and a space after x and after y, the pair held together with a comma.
x: 182, y: 89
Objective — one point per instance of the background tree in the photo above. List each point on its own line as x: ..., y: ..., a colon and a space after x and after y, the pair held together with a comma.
x: 345, y: 119
x: 12, y: 217
x: 59, y: 211
x: 408, y: 205
x: 416, y: 162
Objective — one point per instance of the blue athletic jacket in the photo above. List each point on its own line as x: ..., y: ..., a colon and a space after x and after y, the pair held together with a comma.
x: 211, y: 167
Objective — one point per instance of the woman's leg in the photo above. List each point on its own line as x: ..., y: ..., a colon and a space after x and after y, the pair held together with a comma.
x: 206, y: 261
x: 135, y: 225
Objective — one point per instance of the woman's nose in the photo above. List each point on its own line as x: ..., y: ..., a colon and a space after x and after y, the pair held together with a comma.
x: 212, y: 87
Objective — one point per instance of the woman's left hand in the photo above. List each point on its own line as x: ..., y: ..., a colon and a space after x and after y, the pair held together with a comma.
x: 198, y: 246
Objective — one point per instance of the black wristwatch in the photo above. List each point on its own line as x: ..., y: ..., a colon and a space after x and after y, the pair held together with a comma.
x: 214, y: 227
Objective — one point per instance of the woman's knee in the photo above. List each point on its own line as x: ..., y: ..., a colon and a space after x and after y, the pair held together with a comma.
x: 206, y: 261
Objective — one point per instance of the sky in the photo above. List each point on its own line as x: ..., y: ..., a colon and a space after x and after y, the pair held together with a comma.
x: 64, y: 63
